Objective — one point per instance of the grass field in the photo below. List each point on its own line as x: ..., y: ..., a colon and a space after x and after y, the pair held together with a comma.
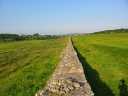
x: 25, y: 66
x: 105, y: 61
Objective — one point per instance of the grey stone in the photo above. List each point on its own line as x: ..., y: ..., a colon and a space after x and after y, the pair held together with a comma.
x: 68, y: 78
x: 76, y: 85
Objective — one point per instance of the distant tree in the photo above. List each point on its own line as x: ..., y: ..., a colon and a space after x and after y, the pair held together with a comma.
x: 9, y: 37
x: 112, y: 31
x: 36, y: 34
x: 16, y: 37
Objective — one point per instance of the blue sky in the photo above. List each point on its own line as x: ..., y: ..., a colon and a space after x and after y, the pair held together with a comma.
x: 62, y: 16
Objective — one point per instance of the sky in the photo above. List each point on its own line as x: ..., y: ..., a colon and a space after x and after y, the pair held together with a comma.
x: 62, y: 16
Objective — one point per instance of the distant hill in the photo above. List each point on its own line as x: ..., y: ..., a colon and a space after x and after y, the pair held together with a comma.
x: 112, y: 31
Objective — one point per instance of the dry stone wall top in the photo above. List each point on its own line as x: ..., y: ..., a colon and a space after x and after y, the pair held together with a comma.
x: 68, y: 78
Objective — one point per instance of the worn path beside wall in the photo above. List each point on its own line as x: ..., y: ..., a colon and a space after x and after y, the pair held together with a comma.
x: 68, y: 78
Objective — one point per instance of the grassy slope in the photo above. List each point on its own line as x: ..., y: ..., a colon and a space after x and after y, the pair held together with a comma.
x: 25, y: 66
x: 105, y: 57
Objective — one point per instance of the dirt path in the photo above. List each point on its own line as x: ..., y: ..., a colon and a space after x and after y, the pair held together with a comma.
x: 68, y: 78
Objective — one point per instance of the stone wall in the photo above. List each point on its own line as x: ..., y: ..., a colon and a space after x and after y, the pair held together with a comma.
x: 68, y: 78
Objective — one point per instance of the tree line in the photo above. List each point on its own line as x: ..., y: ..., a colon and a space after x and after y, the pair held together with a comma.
x: 16, y: 37
x: 112, y: 31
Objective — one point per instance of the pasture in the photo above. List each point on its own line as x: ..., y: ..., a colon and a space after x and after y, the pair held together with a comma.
x: 105, y: 61
x: 25, y: 66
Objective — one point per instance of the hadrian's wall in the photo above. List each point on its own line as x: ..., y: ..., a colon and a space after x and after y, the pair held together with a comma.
x: 68, y: 78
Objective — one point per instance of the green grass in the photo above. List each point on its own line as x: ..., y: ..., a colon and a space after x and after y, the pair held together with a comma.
x: 105, y: 61
x: 25, y: 66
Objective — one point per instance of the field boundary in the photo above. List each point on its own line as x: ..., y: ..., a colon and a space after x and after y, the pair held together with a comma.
x: 68, y: 78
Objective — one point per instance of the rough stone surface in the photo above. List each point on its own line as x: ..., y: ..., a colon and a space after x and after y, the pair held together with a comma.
x: 68, y: 78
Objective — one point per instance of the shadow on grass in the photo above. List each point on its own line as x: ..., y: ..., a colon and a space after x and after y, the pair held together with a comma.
x: 123, y: 88
x: 98, y: 86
